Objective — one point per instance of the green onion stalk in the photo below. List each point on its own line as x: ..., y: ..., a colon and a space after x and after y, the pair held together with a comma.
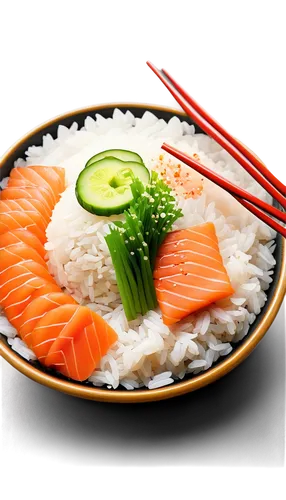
x: 134, y: 244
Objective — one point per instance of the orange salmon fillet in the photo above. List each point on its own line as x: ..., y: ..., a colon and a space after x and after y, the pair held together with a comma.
x: 189, y: 273
x: 72, y: 339
x: 37, y: 309
x: 15, y: 312
x: 13, y: 254
x: 17, y: 220
x: 22, y: 236
x: 31, y: 205
x: 64, y: 336
x: 52, y: 178
x: 17, y: 189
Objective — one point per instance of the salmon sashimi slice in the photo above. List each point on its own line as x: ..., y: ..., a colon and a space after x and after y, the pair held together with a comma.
x: 32, y: 205
x: 46, y: 192
x: 22, y: 236
x: 72, y: 339
x: 15, y: 313
x: 17, y: 220
x: 20, y: 295
x: 15, y: 277
x: 15, y: 207
x: 36, y: 175
x: 29, y: 176
x: 19, y: 189
x: 16, y: 253
x: 23, y: 266
x: 55, y: 176
x: 64, y: 319
x: 189, y: 272
x: 37, y: 309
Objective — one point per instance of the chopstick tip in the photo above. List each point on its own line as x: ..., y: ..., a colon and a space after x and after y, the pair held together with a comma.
x: 148, y: 62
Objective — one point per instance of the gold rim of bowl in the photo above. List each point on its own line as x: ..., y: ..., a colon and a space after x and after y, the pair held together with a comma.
x: 178, y: 388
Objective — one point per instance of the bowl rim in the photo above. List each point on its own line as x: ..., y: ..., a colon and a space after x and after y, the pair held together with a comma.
x: 145, y: 395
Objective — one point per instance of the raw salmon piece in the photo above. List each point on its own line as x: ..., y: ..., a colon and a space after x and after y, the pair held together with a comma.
x: 15, y: 253
x: 15, y: 207
x: 55, y: 176
x: 20, y: 295
x: 46, y: 194
x: 37, y: 309
x: 27, y: 176
x: 11, y: 221
x: 22, y: 236
x: 37, y: 200
x: 52, y: 325
x: 37, y: 193
x: 20, y: 283
x: 15, y: 313
x: 30, y: 205
x: 19, y: 287
x: 189, y: 272
x: 72, y: 339
x: 24, y: 266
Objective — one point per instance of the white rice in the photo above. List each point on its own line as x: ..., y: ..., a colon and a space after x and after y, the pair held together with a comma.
x: 148, y: 353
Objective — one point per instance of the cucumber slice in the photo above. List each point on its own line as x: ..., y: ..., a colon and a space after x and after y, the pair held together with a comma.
x: 121, y: 154
x: 103, y: 188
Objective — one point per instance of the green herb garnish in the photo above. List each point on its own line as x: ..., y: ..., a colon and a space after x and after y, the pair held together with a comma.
x: 133, y: 244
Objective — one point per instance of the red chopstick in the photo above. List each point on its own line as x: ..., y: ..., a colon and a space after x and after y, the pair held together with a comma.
x: 243, y: 149
x: 218, y: 137
x: 246, y: 199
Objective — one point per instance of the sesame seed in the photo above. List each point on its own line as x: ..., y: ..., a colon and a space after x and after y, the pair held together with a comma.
x: 132, y: 253
x: 145, y: 257
x: 163, y: 215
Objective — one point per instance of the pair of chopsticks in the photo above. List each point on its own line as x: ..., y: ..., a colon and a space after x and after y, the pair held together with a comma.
x: 238, y: 151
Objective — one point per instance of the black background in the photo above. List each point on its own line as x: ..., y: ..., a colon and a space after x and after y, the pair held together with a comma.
x: 238, y: 422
